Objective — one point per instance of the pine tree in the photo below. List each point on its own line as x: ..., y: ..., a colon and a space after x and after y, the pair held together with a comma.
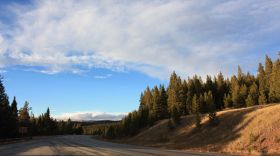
x: 190, y: 94
x: 24, y: 116
x: 47, y: 114
x: 240, y: 75
x: 220, y: 91
x: 243, y: 94
x: 183, y: 98
x: 274, y: 92
x: 141, y: 101
x: 198, y: 85
x: 5, y: 113
x: 249, y: 101
x: 189, y: 102
x: 227, y: 87
x: 147, y: 101
x: 175, y: 94
x: 163, y: 103
x: 262, y: 85
x: 33, y: 126
x: 203, y: 106
x: 208, y: 86
x: 47, y: 122
x: 195, y: 104
x: 109, y: 132
x: 14, y: 117
x: 14, y: 108
x: 213, y: 120
x: 262, y: 98
x: 268, y: 71
x: 252, y: 98
x: 228, y: 101
x: 235, y: 90
x: 148, y: 98
x: 144, y: 116
x: 249, y: 79
x: 68, y: 126
x: 175, y: 115
x: 172, y: 91
x: 209, y: 100
x: 156, y: 104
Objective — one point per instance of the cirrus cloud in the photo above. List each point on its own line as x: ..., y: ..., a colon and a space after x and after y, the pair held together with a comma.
x: 153, y: 37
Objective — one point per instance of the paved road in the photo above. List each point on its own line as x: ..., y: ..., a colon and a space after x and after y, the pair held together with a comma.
x: 84, y: 145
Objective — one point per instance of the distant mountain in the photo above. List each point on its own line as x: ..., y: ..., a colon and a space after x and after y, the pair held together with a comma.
x: 91, y: 116
x: 94, y: 122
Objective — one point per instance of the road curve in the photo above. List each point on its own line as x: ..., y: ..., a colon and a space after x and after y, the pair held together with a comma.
x: 85, y: 145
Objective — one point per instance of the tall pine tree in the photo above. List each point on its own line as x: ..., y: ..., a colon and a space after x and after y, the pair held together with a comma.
x: 252, y: 98
x: 262, y: 85
x: 14, y: 117
x: 221, y: 89
x: 156, y: 104
x: 163, y: 103
x: 268, y: 71
x: 274, y: 92
x: 24, y: 117
x: 5, y: 112
x: 175, y: 94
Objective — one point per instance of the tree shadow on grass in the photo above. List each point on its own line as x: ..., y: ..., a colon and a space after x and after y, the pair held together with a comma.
x: 216, y: 137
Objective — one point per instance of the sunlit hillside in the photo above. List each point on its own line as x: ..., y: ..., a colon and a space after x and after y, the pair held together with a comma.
x: 254, y: 130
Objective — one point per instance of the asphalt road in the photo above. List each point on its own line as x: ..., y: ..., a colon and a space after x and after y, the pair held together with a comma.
x: 84, y: 145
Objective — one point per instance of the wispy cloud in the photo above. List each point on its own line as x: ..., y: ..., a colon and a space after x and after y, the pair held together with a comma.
x: 153, y: 37
x: 85, y: 116
x: 3, y: 71
x: 102, y: 76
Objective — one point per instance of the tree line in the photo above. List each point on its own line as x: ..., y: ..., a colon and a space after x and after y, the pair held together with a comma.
x: 22, y: 122
x: 181, y: 97
x: 195, y: 96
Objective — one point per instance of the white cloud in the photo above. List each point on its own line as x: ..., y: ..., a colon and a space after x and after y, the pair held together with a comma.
x: 102, y: 76
x: 3, y: 71
x: 153, y: 37
x: 86, y: 116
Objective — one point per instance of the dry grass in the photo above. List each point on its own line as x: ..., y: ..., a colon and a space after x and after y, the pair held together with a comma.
x: 254, y: 130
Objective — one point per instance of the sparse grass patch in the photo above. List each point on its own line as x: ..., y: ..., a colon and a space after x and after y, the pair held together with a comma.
x: 253, y: 138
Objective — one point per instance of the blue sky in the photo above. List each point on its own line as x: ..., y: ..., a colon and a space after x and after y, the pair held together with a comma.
x: 93, y: 58
x: 96, y: 91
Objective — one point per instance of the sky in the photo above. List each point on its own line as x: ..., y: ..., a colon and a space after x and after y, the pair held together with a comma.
x: 90, y: 60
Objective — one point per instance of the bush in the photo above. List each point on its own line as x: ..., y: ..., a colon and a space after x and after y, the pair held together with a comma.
x: 213, y: 119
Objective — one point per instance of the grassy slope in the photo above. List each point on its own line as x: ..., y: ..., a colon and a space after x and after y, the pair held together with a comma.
x: 252, y: 130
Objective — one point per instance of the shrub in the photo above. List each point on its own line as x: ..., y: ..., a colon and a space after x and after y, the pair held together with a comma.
x: 213, y: 119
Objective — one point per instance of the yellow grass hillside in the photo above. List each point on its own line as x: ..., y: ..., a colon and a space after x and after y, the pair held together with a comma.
x: 254, y: 130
